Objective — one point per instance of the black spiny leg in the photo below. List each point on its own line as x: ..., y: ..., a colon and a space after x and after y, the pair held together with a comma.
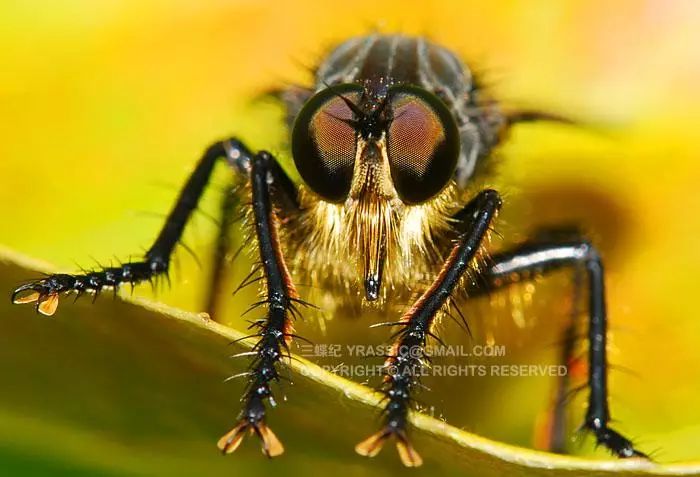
x: 407, y: 358
x: 275, y: 329
x: 45, y: 292
x: 230, y: 208
x: 530, y: 259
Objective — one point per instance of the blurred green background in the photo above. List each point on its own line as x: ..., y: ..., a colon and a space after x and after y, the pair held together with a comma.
x: 106, y: 106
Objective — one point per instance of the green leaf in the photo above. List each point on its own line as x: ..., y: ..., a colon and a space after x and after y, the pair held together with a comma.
x: 133, y: 387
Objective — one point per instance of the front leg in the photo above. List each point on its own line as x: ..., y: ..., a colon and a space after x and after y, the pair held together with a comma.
x: 274, y: 331
x: 156, y: 262
x: 404, y: 364
x: 275, y: 328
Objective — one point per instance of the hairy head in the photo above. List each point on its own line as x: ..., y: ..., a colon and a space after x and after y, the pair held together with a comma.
x: 382, y: 158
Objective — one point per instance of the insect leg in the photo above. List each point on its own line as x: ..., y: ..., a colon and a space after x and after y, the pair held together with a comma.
x: 533, y: 258
x: 407, y: 358
x: 554, y: 436
x: 284, y: 195
x: 274, y: 331
x: 45, y: 292
x: 229, y: 208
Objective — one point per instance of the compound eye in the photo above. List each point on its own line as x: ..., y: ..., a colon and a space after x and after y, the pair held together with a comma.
x: 422, y: 143
x: 324, y: 141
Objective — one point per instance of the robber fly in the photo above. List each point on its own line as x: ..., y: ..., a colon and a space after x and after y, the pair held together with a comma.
x: 388, y: 142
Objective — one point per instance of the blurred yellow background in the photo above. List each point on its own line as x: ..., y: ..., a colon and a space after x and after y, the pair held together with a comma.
x: 105, y: 107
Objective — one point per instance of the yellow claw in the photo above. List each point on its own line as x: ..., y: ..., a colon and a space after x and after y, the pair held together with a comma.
x: 230, y: 441
x: 374, y: 444
x: 28, y: 298
x: 408, y: 454
x: 48, y: 304
x: 271, y: 445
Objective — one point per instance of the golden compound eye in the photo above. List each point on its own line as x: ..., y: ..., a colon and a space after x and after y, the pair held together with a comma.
x: 324, y: 142
x: 422, y: 143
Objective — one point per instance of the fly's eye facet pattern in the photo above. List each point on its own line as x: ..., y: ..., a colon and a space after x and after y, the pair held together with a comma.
x: 324, y: 141
x: 422, y: 143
